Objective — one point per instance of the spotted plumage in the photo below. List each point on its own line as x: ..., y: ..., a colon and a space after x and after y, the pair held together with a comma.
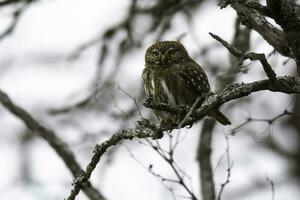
x: 171, y: 76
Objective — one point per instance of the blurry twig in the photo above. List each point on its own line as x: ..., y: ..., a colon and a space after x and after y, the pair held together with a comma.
x: 169, y: 158
x: 160, y: 178
x: 229, y: 167
x: 16, y: 17
x: 269, y: 121
x: 137, y: 106
x: 272, y: 187
x: 251, y: 4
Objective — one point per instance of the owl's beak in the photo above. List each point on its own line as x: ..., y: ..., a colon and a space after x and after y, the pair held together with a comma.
x: 163, y: 59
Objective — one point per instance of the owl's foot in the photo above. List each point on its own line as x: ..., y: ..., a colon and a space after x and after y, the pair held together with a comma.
x: 143, y: 123
x: 158, y: 135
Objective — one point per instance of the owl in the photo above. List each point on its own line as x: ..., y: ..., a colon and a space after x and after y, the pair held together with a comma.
x: 170, y: 76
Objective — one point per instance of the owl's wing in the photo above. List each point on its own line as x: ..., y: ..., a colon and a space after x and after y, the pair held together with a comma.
x: 194, y: 77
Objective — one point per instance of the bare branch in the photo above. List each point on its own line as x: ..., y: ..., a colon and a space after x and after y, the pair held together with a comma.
x: 145, y: 129
x: 54, y: 141
x: 203, y: 157
x: 229, y: 167
x: 286, y: 84
x: 252, y: 56
x: 269, y: 121
x: 24, y: 4
x: 285, y: 15
x: 16, y: 17
x: 256, y: 21
x: 159, y: 177
x: 286, y: 42
x: 272, y: 187
x: 8, y: 2
x: 180, y: 174
x: 249, y: 3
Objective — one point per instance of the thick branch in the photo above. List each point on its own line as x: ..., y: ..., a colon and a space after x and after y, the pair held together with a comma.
x: 256, y: 21
x: 203, y: 157
x: 285, y: 15
x: 145, y: 129
x: 286, y: 84
x: 286, y: 42
x: 47, y: 134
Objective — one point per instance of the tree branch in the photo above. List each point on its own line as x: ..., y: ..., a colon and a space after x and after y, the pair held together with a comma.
x: 286, y: 42
x: 285, y: 15
x: 203, y: 157
x: 145, y: 129
x: 251, y: 4
x: 256, y: 21
x: 8, y: 2
x: 251, y: 56
x: 55, y: 142
x: 286, y: 84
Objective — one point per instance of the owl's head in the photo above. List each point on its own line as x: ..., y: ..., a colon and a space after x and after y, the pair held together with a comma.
x: 164, y: 53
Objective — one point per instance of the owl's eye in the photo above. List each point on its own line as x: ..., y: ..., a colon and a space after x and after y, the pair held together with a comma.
x: 155, y: 53
x: 171, y: 52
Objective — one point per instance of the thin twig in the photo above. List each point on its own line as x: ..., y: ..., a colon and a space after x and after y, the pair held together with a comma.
x: 272, y: 187
x: 266, y: 120
x: 180, y: 176
x: 229, y: 167
x: 251, y: 56
x: 160, y: 178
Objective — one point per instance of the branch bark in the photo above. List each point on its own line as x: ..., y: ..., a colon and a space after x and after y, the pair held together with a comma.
x: 285, y: 15
x: 287, y: 41
x: 256, y: 21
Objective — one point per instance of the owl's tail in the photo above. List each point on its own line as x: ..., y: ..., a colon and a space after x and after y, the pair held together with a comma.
x: 220, y: 117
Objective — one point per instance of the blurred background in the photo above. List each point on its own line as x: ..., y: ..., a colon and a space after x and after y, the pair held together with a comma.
x: 76, y: 66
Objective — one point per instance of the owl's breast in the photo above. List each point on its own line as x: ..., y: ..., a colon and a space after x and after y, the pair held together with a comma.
x: 167, y: 87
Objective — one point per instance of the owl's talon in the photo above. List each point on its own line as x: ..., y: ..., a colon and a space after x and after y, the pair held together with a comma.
x: 158, y: 135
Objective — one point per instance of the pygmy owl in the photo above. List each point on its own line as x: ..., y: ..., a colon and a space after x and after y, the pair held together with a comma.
x: 170, y: 76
